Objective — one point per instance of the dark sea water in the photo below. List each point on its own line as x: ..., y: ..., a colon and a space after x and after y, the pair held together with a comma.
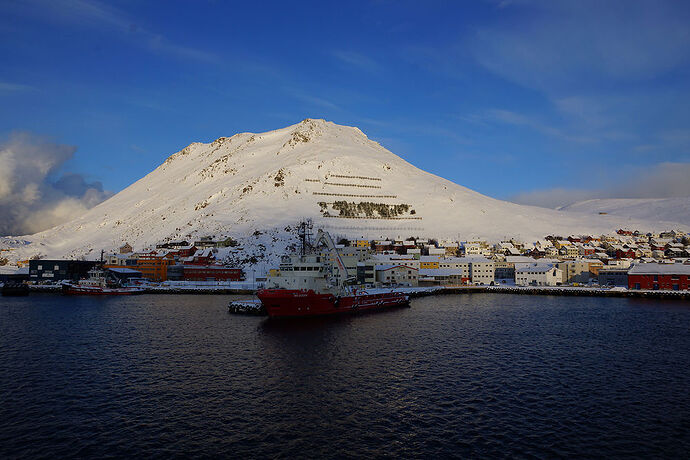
x: 474, y: 375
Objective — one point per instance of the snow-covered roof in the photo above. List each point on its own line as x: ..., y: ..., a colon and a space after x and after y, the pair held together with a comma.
x: 124, y: 271
x: 660, y: 269
x: 457, y: 260
x: 441, y: 271
x: 518, y: 259
x: 380, y: 268
x: 539, y: 268
x: 393, y: 256
x: 475, y: 259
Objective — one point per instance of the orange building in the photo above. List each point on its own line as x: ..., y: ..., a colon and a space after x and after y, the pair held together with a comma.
x: 154, y: 267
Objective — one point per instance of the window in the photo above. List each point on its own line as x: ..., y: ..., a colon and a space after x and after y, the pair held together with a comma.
x: 40, y: 267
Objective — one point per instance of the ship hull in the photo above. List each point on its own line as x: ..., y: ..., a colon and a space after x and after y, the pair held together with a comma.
x: 296, y: 303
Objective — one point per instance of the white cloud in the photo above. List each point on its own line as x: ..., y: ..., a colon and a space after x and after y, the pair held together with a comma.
x: 30, y: 200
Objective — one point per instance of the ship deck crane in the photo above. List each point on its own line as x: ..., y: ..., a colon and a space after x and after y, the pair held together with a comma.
x: 325, y: 238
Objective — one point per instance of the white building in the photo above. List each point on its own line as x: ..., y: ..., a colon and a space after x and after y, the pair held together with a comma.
x: 481, y: 270
x: 397, y: 274
x: 394, y: 259
x: 442, y: 276
x: 538, y: 275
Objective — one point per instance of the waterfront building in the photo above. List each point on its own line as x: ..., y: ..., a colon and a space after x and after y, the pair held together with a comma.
x: 538, y: 275
x: 211, y: 273
x: 613, y: 277
x: 654, y: 276
x: 442, y: 277
x: 153, y: 266
x: 58, y: 270
x: 397, y: 274
x: 504, y: 270
x: 481, y: 270
x: 366, y: 274
x: 394, y: 259
x: 574, y: 271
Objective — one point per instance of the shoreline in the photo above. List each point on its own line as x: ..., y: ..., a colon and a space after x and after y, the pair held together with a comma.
x: 557, y: 291
x: 430, y: 291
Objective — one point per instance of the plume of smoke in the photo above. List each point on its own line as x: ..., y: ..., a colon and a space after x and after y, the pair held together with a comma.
x: 30, y: 200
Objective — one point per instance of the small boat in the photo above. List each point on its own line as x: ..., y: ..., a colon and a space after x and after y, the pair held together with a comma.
x: 98, y: 283
x: 246, y: 307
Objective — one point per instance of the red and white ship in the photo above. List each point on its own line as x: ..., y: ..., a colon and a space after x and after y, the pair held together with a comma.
x: 317, y: 283
x: 98, y: 284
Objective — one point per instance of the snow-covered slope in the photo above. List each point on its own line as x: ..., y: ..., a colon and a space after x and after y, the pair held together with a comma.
x: 652, y: 209
x: 237, y: 185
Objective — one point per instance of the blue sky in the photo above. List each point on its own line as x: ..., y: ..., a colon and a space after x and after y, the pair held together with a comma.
x: 535, y: 101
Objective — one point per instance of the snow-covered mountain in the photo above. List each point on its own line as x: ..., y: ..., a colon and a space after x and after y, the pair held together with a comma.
x: 333, y: 174
x: 652, y: 209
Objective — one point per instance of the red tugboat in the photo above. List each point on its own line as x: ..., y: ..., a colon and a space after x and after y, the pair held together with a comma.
x: 98, y: 284
x: 317, y: 283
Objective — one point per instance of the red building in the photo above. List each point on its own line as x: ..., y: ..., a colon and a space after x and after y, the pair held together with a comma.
x: 187, y: 251
x: 663, y: 277
x: 625, y: 253
x: 200, y: 257
x: 211, y: 273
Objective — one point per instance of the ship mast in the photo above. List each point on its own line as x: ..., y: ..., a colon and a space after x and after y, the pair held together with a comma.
x: 304, y: 232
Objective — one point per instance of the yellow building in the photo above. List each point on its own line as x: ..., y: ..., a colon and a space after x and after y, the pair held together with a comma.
x: 428, y: 262
x: 361, y: 243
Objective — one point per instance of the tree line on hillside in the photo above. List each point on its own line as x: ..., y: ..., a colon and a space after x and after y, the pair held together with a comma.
x: 366, y: 208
